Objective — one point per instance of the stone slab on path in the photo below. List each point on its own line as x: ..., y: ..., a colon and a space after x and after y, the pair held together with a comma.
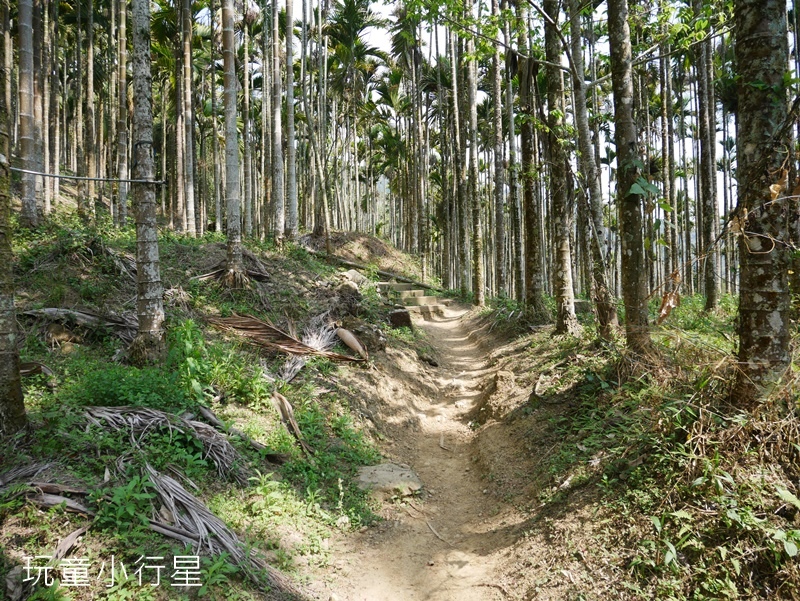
x: 388, y: 480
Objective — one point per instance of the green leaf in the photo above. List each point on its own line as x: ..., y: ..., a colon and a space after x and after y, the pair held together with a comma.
x: 656, y: 523
x: 671, y: 553
x: 636, y: 189
x: 790, y: 547
x: 682, y: 514
x: 736, y: 566
x: 787, y: 497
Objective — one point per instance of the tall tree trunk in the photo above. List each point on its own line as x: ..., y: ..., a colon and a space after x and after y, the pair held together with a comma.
x: 478, y: 278
x: 518, y: 260
x: 188, y: 122
x: 246, y: 133
x: 566, y: 320
x: 291, y: 153
x: 12, y: 406
x: 214, y: 131
x: 604, y: 303
x: 90, y: 144
x: 761, y: 142
x: 277, y: 137
x: 534, y: 282
x: 149, y: 345
x: 499, y: 170
x: 27, y: 143
x: 708, y: 181
x: 235, y: 262
x: 122, y: 116
x: 637, y: 329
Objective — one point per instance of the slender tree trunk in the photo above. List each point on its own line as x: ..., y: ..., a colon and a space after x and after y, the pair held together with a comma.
x: 188, y: 123
x: 90, y: 144
x: 604, y: 303
x: 513, y: 182
x: 566, y: 320
x: 235, y: 262
x: 499, y: 170
x: 122, y: 125
x: 12, y: 406
x: 277, y: 135
x: 534, y: 283
x: 761, y: 142
x: 149, y: 345
x: 27, y: 143
x: 707, y: 169
x: 246, y: 133
x: 291, y: 153
x: 214, y: 130
x: 637, y: 330
x: 478, y: 277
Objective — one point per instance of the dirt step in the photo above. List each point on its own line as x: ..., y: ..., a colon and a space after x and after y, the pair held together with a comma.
x: 395, y: 286
x: 415, y: 301
x: 411, y: 293
x: 427, y: 311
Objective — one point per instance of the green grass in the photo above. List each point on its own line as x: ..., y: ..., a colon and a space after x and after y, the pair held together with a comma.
x: 701, y: 487
x: 307, y: 496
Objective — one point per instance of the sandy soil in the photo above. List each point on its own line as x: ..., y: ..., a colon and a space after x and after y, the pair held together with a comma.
x: 447, y: 544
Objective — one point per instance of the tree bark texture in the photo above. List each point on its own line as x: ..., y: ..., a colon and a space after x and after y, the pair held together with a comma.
x: 27, y: 151
x: 634, y: 293
x: 235, y: 264
x: 604, y: 303
x: 566, y: 320
x: 12, y: 406
x: 149, y: 345
x: 764, y: 215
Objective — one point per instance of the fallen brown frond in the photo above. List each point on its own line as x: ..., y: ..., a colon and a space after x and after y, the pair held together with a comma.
x: 141, y: 420
x: 284, y: 407
x: 34, y: 368
x: 319, y: 335
x: 193, y: 523
x: 265, y: 334
x: 125, y: 327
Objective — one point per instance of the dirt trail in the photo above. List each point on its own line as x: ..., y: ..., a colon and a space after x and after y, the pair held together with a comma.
x: 446, y: 545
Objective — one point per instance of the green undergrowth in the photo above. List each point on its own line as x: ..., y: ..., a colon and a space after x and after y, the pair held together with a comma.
x: 287, y: 510
x: 701, y: 495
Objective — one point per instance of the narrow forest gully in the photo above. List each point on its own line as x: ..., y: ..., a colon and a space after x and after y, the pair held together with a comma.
x: 446, y: 544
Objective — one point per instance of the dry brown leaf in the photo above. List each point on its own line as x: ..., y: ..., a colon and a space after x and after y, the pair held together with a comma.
x: 669, y: 301
x: 778, y: 187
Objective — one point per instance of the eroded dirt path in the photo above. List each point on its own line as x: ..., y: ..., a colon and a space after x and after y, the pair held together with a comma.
x: 446, y: 545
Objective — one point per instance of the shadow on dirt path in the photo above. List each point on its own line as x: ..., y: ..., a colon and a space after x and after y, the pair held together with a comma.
x: 448, y: 544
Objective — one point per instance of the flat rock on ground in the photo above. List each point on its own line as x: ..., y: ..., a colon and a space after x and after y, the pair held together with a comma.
x: 388, y: 480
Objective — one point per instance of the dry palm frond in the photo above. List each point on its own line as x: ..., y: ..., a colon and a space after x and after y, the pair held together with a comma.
x: 124, y: 327
x: 264, y: 333
x: 319, y: 335
x: 22, y: 472
x: 34, y: 368
x: 195, y: 524
x: 140, y: 420
x: 177, y: 297
x: 284, y: 407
